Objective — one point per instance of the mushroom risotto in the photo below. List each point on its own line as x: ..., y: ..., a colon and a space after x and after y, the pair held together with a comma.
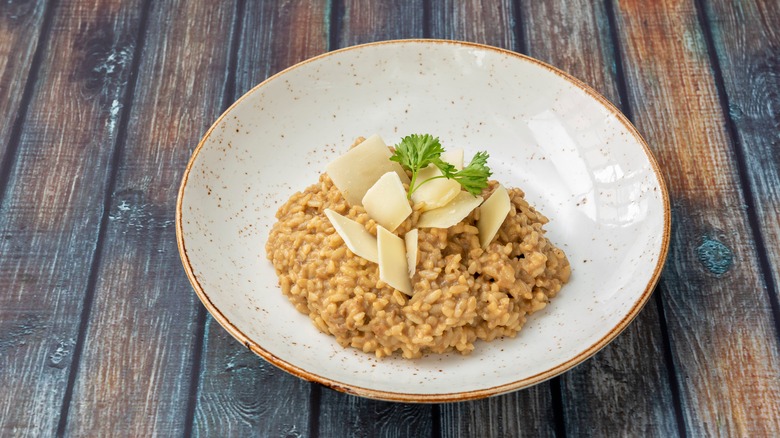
x: 391, y: 253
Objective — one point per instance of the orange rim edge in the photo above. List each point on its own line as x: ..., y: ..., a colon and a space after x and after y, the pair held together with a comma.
x: 442, y: 397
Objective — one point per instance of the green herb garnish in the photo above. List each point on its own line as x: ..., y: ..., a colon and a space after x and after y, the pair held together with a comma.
x: 416, y: 152
x: 473, y: 177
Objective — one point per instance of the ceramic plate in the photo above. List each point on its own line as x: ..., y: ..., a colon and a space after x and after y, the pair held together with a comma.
x: 576, y: 156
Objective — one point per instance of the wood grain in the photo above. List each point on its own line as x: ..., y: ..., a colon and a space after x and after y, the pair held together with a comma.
x: 135, y: 370
x: 747, y: 45
x: 240, y: 394
x: 525, y: 413
x: 20, y: 30
x: 348, y: 416
x: 277, y: 35
x: 50, y: 217
x: 573, y: 36
x: 480, y: 21
x: 720, y: 322
x: 628, y: 378
x: 365, y: 21
x: 243, y: 395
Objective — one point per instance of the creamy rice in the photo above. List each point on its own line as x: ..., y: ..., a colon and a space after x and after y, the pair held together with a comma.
x: 461, y: 292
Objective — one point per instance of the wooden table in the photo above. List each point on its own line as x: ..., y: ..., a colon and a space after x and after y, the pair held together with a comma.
x: 102, y: 102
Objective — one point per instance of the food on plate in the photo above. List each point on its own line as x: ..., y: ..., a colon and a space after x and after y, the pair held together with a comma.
x: 383, y: 256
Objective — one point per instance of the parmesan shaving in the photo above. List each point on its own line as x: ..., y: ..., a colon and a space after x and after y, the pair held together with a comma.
x: 454, y: 157
x: 450, y: 214
x: 386, y: 201
x: 356, y: 171
x: 492, y: 214
x: 393, y: 268
x: 357, y: 238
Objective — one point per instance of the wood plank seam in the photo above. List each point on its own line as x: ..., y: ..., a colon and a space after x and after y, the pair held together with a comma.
x: 436, y: 431
x: 118, y: 146
x: 228, y: 96
x: 559, y: 416
x: 335, y: 17
x: 620, y: 77
x: 742, y: 167
x: 625, y: 107
x: 315, y: 398
x: 24, y: 105
x: 197, y: 359
x: 520, y: 20
x: 426, y: 18
x: 671, y: 370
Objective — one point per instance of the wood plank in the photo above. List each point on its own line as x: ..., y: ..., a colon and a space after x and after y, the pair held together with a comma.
x: 278, y: 35
x: 727, y: 362
x: 747, y: 45
x: 628, y: 378
x: 573, y: 36
x: 528, y: 412
x: 342, y: 414
x: 20, y: 29
x: 364, y: 21
x: 135, y: 371
x: 525, y: 413
x: 51, y: 214
x: 479, y: 21
x: 348, y: 416
x: 241, y: 394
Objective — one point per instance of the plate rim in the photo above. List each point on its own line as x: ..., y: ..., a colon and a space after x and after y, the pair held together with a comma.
x: 438, y: 397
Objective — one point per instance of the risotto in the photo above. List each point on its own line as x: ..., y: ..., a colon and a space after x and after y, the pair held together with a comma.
x: 461, y: 291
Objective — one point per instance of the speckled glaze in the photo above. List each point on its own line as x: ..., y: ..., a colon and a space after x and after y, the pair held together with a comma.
x: 578, y: 159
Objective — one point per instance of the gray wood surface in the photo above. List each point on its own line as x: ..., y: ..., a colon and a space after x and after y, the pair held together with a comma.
x: 365, y: 21
x: 51, y: 213
x: 240, y: 394
x: 526, y: 413
x: 142, y: 304
x: 468, y: 21
x: 746, y: 53
x: 348, y: 416
x: 715, y: 300
x: 21, y: 27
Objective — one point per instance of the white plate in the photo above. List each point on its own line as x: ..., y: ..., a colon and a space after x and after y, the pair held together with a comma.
x: 578, y: 159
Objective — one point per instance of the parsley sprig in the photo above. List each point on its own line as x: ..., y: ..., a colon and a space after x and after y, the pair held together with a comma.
x: 416, y: 152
